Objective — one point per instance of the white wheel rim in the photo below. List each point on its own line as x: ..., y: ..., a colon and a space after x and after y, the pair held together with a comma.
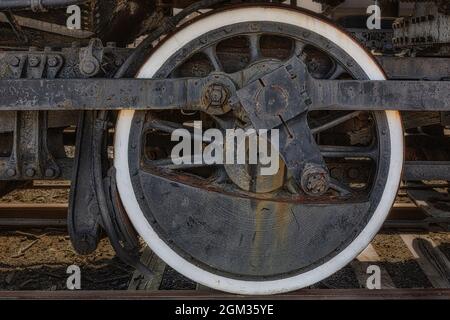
x: 137, y: 217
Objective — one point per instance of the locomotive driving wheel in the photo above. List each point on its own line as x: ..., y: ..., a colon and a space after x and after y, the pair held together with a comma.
x: 227, y: 227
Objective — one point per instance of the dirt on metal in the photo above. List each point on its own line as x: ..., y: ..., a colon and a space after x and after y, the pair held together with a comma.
x: 37, y: 259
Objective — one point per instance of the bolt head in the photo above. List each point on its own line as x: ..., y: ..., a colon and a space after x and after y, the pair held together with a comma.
x: 11, y: 172
x: 30, y: 172
x: 88, y: 67
x: 49, y: 172
x: 118, y: 62
x: 315, y: 180
x: 216, y: 95
x: 34, y: 61
x: 14, y: 61
x: 52, y: 61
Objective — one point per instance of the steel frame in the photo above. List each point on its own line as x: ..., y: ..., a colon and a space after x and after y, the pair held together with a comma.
x: 147, y: 94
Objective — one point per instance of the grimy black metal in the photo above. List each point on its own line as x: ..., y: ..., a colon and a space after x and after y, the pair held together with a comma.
x: 147, y: 94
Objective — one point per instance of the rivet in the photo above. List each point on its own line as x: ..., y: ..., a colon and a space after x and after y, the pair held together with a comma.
x: 11, y: 172
x: 52, y: 61
x: 34, y: 61
x: 30, y: 172
x: 49, y: 172
x: 14, y: 61
x: 118, y: 62
x: 88, y: 67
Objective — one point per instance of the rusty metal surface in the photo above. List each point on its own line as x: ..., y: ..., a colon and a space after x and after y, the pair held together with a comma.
x: 307, y: 294
x: 115, y: 94
x: 427, y: 30
x: 426, y: 170
x: 224, y: 218
x: 420, y: 68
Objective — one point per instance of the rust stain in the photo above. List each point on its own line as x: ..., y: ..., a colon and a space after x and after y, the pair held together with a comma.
x: 265, y: 214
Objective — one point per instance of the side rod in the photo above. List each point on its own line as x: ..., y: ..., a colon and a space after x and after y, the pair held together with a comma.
x: 188, y: 94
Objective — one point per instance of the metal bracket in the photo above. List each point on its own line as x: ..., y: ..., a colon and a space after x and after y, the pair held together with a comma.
x: 192, y: 94
x: 91, y: 58
x: 34, y: 65
x: 278, y: 100
x: 30, y: 158
x: 84, y: 212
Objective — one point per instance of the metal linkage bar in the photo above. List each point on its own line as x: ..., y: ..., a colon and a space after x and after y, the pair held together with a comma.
x: 218, y: 91
x: 380, y: 95
x: 305, y: 294
x: 30, y: 157
x: 107, y: 94
x: 426, y: 170
x: 417, y: 68
x: 36, y: 5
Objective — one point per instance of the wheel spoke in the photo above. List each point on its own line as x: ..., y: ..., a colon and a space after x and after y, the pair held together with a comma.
x: 255, y: 49
x: 185, y: 166
x: 299, y: 47
x: 211, y: 53
x: 348, y: 152
x: 169, y: 127
x: 169, y: 163
x: 161, y: 125
x: 339, y: 187
x: 337, y: 72
x: 335, y: 122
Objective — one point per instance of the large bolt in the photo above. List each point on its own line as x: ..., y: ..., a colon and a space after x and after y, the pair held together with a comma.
x: 88, y: 67
x: 11, y: 172
x: 52, y: 61
x: 30, y: 172
x: 315, y: 180
x: 215, y: 96
x: 34, y: 61
x: 118, y: 62
x: 49, y: 173
x: 14, y: 61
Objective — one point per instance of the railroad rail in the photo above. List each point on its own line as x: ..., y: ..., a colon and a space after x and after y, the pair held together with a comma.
x: 431, y: 260
x: 33, y: 215
x: 305, y: 294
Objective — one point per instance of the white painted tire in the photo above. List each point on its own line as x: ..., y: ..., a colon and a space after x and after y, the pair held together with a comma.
x: 195, y: 30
